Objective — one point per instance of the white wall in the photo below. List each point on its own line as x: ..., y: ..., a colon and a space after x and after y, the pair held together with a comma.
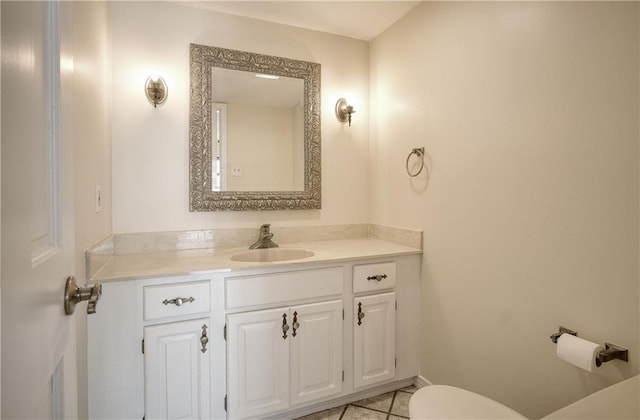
x: 263, y: 150
x: 151, y: 146
x: 529, y: 113
x: 0, y: 219
x: 92, y: 151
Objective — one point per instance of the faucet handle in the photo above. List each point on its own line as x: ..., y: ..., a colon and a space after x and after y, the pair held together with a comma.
x: 264, y: 238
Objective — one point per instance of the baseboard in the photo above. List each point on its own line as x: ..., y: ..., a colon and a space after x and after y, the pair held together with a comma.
x: 420, y: 381
x: 337, y: 402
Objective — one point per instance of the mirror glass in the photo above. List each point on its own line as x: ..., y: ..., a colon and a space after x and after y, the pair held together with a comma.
x: 257, y: 132
x: 254, y: 131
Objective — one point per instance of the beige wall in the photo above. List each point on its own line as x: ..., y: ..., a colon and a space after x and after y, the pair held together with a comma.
x: 151, y: 146
x: 92, y: 149
x: 529, y: 113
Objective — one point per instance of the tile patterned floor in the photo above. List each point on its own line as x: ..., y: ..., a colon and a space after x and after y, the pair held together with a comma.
x: 390, y: 406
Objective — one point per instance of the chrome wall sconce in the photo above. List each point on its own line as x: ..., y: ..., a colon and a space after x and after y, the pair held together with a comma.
x: 344, y: 111
x: 156, y: 90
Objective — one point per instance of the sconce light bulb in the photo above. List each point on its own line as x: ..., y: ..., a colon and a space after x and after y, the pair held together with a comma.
x: 154, y: 75
x: 349, y: 112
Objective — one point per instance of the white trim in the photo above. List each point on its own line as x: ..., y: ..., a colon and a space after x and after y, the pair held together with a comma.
x: 219, y: 140
x: 42, y: 254
x: 47, y: 246
x: 54, y: 87
x: 337, y: 402
x: 57, y: 392
x: 420, y: 382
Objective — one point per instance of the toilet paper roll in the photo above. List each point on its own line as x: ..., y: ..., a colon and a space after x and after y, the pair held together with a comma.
x: 578, y: 352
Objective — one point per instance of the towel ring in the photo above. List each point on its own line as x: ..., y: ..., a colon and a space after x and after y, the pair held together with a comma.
x: 419, y: 151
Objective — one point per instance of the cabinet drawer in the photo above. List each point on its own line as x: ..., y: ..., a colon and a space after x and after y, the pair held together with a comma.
x: 266, y: 289
x: 168, y: 300
x: 370, y: 277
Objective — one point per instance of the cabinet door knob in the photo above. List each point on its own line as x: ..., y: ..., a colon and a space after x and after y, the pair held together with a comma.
x: 360, y: 313
x: 285, y: 327
x: 295, y: 324
x: 178, y: 301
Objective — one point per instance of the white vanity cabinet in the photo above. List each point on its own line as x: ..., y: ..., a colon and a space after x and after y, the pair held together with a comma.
x: 374, y: 339
x: 145, y: 350
x: 283, y: 356
x: 316, y: 351
x: 257, y: 363
x: 176, y: 352
x: 177, y: 366
x: 280, y: 341
x: 374, y: 336
x: 288, y: 355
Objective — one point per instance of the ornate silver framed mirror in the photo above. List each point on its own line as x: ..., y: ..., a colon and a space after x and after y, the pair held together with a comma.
x: 254, y: 131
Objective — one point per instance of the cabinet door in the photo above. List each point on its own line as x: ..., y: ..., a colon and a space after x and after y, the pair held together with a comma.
x: 258, y: 362
x: 177, y: 375
x: 374, y: 339
x: 316, y: 351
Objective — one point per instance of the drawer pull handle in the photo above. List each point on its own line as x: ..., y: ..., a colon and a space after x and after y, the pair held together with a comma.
x: 360, y: 313
x: 178, y: 301
x: 295, y: 324
x: 379, y: 277
x: 285, y: 327
x: 204, y: 339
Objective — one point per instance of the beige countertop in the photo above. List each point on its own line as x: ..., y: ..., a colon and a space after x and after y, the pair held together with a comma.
x: 210, y: 260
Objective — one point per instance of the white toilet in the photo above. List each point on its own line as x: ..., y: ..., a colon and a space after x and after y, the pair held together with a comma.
x: 448, y: 402
x: 618, y: 401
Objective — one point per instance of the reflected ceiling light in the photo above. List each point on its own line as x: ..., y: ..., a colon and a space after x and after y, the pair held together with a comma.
x: 267, y: 76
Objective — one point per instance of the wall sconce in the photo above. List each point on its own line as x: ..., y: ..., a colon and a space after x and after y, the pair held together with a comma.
x: 344, y: 111
x: 156, y: 90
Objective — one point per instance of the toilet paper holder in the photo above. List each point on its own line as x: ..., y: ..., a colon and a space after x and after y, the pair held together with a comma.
x: 562, y: 330
x: 610, y: 352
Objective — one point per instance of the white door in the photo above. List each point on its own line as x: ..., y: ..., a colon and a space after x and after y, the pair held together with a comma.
x: 374, y: 339
x: 177, y: 375
x: 316, y: 351
x: 258, y: 362
x: 38, y: 340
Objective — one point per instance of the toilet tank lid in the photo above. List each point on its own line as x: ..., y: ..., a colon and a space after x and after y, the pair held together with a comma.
x: 448, y: 402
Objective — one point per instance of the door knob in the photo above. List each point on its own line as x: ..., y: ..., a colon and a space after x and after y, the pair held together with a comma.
x: 74, y: 294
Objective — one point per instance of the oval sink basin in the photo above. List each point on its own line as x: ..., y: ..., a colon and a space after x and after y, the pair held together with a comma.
x: 272, y: 255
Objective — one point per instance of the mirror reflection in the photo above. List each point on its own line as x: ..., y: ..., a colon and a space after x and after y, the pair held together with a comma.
x: 254, y: 131
x: 257, y: 131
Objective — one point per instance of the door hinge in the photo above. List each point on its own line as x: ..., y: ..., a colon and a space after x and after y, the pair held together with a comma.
x: 224, y: 332
x: 343, y: 376
x: 396, y: 305
x: 395, y: 362
x: 143, y: 348
x: 225, y: 403
x: 343, y: 314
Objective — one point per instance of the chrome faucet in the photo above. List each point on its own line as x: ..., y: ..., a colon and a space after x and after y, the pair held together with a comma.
x: 264, y: 240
